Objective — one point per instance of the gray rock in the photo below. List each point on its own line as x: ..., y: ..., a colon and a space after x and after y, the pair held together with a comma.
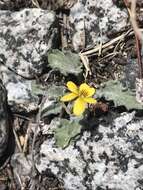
x: 4, y: 126
x: 109, y: 156
x: 95, y: 19
x: 19, y: 91
x: 25, y: 38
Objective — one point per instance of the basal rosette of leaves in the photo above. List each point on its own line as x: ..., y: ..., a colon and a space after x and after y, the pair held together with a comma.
x: 65, y: 62
x: 113, y: 90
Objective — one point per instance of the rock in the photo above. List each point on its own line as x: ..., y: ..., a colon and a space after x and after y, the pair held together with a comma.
x: 92, y: 21
x: 105, y: 156
x: 25, y: 38
x: 4, y: 126
x: 19, y: 91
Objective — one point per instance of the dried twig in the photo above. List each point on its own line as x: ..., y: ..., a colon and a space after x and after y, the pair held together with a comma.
x: 111, y: 55
x: 26, y: 138
x: 21, y: 116
x: 139, y: 43
x: 85, y: 62
x: 138, y: 33
x: 17, y: 140
x: 106, y: 45
x: 36, y: 128
x: 35, y: 3
x: 133, y: 19
x: 64, y: 31
x: 98, y: 49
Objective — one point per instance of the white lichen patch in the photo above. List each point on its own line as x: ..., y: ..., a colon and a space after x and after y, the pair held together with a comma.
x: 96, y: 18
x: 25, y: 38
x: 110, y: 156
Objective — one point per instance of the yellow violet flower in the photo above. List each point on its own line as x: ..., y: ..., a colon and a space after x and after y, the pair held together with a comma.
x: 83, y: 94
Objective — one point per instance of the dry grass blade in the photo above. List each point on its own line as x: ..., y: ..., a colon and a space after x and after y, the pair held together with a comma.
x: 38, y: 118
x: 26, y: 138
x: 106, y: 45
x: 133, y: 19
x: 3, y: 179
x: 17, y: 140
x: 85, y: 62
x: 137, y: 32
x: 35, y: 3
x: 110, y: 55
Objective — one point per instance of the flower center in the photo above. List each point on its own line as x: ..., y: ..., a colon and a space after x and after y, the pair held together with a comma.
x: 83, y: 93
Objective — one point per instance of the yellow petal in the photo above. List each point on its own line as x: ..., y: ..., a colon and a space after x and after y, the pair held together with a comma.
x: 91, y: 92
x: 90, y: 100
x: 72, y: 87
x: 79, y: 106
x: 86, y: 89
x: 68, y: 97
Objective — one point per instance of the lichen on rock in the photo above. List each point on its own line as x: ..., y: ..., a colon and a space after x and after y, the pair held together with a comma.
x: 108, y: 155
x: 25, y: 38
x: 91, y: 22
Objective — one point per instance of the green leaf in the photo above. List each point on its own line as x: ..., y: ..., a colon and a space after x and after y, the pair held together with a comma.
x: 66, y: 63
x: 52, y: 104
x: 37, y: 88
x: 53, y: 108
x: 55, y: 92
x: 66, y: 130
x: 113, y: 90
